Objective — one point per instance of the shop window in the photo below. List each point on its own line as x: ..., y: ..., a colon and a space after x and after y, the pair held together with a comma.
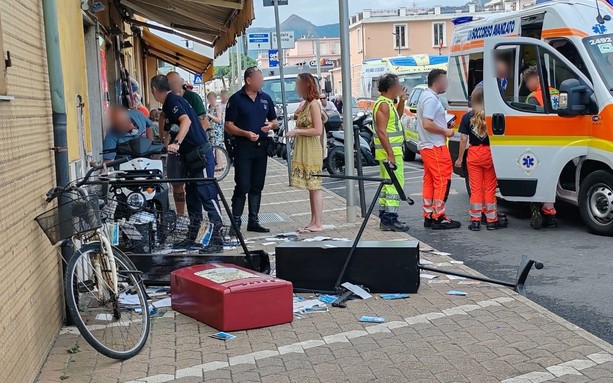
x: 400, y: 36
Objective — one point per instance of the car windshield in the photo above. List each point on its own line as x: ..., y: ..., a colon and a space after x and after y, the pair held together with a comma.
x: 600, y: 49
x: 273, y: 88
x: 411, y: 80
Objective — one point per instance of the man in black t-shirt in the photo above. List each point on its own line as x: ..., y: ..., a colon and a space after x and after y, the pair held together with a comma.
x: 250, y: 116
x: 190, y: 137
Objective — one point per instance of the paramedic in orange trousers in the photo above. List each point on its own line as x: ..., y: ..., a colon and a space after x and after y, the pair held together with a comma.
x: 543, y: 215
x: 433, y: 133
x: 481, y: 174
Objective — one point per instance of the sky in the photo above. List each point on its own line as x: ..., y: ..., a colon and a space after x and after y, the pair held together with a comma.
x: 326, y: 11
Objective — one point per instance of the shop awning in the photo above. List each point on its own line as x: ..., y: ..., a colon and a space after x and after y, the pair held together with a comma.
x: 216, y: 23
x: 176, y: 55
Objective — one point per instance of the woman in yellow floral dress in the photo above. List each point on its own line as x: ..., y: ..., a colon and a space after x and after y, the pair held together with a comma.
x: 307, y: 155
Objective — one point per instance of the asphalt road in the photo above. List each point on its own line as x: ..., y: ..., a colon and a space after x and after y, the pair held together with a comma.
x: 577, y: 280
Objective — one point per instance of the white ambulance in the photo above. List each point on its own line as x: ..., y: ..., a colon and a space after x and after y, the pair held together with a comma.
x: 561, y: 146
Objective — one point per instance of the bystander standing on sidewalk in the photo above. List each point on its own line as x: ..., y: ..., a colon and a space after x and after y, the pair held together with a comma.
x: 307, y: 155
x: 389, y: 139
x: 250, y: 115
x: 189, y: 138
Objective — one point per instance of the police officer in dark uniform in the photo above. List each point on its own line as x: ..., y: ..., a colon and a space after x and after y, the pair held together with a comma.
x: 191, y: 137
x: 250, y: 115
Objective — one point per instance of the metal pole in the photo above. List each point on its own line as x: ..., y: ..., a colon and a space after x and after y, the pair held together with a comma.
x: 58, y: 110
x: 239, y: 57
x: 343, y: 6
x: 317, y: 57
x: 288, y: 145
x: 232, y: 78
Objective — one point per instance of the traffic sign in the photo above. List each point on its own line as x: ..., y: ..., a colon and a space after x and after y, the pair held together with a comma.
x: 258, y: 41
x: 271, y: 3
x: 287, y: 40
x: 273, y: 58
x: 198, y: 79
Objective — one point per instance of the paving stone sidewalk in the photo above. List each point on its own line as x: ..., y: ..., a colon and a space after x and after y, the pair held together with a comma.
x: 490, y: 335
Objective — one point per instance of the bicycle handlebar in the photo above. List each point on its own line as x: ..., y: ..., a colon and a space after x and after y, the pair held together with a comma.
x: 105, y: 165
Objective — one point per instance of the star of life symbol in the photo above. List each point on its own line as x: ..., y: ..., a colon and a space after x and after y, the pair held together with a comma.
x: 599, y: 29
x: 528, y: 162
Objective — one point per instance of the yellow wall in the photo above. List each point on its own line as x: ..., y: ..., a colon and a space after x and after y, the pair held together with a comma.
x: 72, y: 46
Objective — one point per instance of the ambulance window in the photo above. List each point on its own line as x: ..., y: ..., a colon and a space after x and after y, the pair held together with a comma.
x: 475, y: 70
x: 511, y: 61
x: 554, y: 72
x: 568, y: 50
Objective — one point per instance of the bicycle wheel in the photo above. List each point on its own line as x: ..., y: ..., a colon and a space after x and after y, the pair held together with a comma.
x: 222, y: 162
x: 116, y: 326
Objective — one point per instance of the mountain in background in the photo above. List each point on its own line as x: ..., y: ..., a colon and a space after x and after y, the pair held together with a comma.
x: 302, y: 27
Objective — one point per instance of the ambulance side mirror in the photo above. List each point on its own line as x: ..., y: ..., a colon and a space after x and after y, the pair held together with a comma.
x: 574, y: 98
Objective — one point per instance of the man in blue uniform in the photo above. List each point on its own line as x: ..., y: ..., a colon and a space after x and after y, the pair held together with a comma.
x: 191, y: 137
x: 250, y: 115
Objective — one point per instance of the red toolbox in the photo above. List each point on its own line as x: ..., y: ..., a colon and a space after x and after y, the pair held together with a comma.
x: 229, y: 297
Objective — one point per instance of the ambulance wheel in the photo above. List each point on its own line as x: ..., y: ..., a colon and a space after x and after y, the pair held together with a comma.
x: 407, y: 154
x: 596, y: 202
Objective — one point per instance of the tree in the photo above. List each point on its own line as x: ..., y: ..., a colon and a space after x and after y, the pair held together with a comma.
x: 222, y: 72
x: 225, y: 72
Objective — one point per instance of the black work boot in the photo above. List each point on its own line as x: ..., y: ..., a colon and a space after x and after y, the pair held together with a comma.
x: 395, y: 225
x: 549, y: 221
x: 428, y: 221
x: 253, y: 223
x: 474, y: 226
x: 237, y: 220
x: 499, y: 224
x: 445, y: 223
x: 536, y: 219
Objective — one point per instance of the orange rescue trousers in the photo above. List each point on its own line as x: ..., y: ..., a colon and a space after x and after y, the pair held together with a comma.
x: 437, y: 180
x: 483, y: 183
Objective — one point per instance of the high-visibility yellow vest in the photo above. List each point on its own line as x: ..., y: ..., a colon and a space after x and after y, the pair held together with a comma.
x: 394, y: 129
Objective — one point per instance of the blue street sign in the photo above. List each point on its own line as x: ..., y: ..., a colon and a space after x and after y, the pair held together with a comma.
x: 273, y: 58
x: 258, y: 41
x: 197, y: 79
x: 271, y: 3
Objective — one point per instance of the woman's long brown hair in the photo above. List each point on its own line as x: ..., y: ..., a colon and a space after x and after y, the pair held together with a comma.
x: 478, y: 118
x: 312, y: 92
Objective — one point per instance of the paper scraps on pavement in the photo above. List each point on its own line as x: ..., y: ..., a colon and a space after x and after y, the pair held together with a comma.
x: 455, y: 277
x: 427, y: 276
x: 310, y: 305
x: 457, y: 292
x: 442, y: 253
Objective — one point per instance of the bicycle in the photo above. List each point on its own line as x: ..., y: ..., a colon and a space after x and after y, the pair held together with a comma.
x: 104, y: 293
x: 222, y: 162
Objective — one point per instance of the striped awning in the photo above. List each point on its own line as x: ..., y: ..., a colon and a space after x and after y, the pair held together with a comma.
x: 215, y: 23
x: 176, y: 55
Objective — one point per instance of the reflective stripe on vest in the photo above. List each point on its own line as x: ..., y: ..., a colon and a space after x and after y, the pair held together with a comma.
x: 554, y: 94
x: 394, y: 129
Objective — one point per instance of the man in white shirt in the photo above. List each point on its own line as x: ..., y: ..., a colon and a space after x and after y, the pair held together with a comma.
x: 327, y: 106
x: 432, y: 144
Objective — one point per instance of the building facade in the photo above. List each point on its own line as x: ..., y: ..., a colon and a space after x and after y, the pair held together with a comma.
x: 99, y: 49
x: 304, y: 53
x: 378, y: 33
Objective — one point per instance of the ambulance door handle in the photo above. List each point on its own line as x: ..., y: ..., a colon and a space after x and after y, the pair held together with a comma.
x: 498, y: 124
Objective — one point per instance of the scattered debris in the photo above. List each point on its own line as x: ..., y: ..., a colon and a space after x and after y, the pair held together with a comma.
x: 455, y: 277
x: 311, y: 305
x: 357, y: 290
x: 426, y: 262
x: 469, y: 283
x: 457, y: 292
x: 222, y: 336
x: 64, y: 377
x: 442, y: 253
x: 394, y: 296
x: 439, y: 281
x: 328, y: 299
x: 456, y: 262
x: 427, y: 276
x: 369, y: 319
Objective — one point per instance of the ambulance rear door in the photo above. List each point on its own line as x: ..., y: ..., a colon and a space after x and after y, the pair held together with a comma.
x: 530, y: 143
